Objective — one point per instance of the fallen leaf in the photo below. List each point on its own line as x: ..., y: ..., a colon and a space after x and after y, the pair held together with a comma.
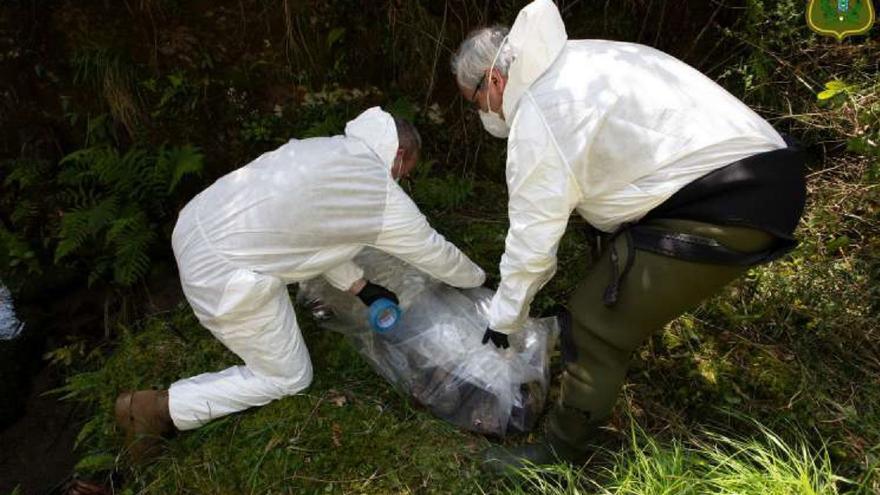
x: 337, y: 435
x: 337, y: 398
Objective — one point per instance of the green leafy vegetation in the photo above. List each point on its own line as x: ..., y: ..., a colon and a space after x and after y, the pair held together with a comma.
x: 116, y: 201
x: 108, y: 203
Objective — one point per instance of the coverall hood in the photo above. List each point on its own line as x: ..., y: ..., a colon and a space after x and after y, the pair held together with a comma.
x: 376, y: 129
x: 536, y: 38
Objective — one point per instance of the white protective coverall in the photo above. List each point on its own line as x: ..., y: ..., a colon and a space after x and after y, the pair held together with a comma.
x: 303, y: 210
x: 607, y: 128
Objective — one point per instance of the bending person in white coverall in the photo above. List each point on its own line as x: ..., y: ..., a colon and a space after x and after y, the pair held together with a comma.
x: 689, y: 185
x: 303, y: 210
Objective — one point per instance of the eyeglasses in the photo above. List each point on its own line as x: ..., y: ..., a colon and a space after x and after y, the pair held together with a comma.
x: 477, y: 89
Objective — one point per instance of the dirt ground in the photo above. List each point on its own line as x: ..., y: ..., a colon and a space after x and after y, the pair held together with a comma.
x: 37, y: 450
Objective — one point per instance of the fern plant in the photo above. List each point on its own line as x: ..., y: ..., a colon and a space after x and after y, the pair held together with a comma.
x: 115, y: 201
x: 27, y: 222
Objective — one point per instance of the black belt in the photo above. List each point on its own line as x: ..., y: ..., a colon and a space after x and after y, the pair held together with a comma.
x: 687, y: 247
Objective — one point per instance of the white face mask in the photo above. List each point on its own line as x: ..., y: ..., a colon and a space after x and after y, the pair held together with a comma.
x: 494, y: 124
x: 492, y: 121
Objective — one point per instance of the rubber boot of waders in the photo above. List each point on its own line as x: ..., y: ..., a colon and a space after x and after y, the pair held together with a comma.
x: 594, y: 373
x: 144, y: 417
x: 551, y: 449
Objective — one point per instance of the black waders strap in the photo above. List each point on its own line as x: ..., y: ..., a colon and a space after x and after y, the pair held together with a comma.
x: 566, y: 338
x: 612, y: 291
x: 687, y: 247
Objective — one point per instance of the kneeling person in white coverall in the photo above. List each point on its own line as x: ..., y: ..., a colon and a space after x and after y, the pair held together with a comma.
x: 303, y: 210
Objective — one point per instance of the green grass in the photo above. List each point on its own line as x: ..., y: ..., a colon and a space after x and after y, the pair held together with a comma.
x: 349, y: 432
x: 707, y: 462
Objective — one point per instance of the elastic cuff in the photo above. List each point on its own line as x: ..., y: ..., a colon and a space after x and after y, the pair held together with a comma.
x: 481, y: 279
x: 342, y: 277
x: 181, y: 423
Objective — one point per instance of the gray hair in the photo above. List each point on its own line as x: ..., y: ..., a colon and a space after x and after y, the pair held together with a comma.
x: 408, y: 136
x: 475, y: 54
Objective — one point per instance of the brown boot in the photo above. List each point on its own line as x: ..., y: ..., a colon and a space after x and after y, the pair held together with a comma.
x: 144, y: 417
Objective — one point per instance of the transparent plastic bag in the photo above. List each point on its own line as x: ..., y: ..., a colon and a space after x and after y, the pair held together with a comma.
x: 435, y: 354
x: 10, y: 326
x: 20, y: 350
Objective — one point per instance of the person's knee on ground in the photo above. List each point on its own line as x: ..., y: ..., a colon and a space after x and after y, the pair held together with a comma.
x: 198, y: 400
x: 294, y: 382
x: 259, y: 326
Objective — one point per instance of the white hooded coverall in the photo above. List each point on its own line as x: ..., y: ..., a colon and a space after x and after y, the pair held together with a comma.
x: 606, y: 128
x: 303, y: 210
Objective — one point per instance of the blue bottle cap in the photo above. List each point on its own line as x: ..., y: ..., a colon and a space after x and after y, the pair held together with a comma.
x: 384, y: 315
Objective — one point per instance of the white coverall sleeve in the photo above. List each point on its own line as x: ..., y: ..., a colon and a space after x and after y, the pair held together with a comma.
x: 344, y: 276
x: 542, y: 194
x: 407, y: 235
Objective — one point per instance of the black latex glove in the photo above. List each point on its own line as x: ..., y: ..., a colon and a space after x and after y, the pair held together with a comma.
x: 497, y: 338
x: 372, y: 292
